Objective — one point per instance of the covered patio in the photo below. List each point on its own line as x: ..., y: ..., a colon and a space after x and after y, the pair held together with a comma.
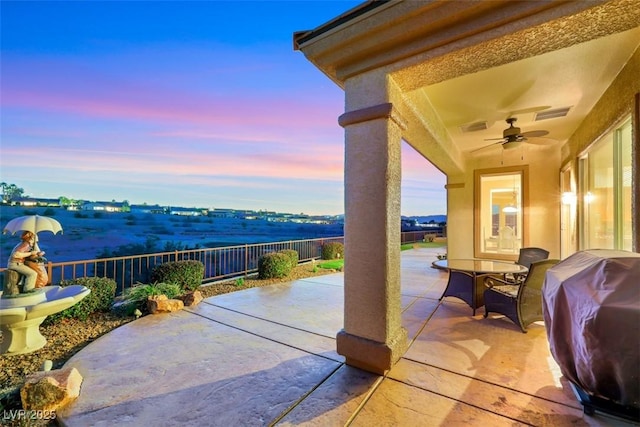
x: 530, y: 108
x: 267, y: 356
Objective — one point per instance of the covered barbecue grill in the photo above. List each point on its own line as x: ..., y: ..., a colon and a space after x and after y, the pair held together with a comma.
x: 591, y: 308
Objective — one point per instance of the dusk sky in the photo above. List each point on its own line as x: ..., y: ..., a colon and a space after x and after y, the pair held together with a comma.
x: 201, y: 103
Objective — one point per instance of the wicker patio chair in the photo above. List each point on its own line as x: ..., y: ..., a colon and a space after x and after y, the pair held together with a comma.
x: 529, y: 255
x: 525, y: 258
x: 522, y: 303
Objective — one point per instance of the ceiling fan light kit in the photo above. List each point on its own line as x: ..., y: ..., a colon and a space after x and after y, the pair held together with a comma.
x: 510, y: 145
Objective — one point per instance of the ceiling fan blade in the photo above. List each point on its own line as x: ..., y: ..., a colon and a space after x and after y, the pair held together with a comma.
x: 535, y: 133
x: 541, y: 141
x: 494, y: 139
x: 487, y: 146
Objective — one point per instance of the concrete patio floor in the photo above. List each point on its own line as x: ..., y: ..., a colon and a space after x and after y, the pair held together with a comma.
x: 266, y: 356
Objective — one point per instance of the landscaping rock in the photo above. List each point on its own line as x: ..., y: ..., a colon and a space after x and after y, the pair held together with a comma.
x: 161, y: 304
x: 191, y: 298
x: 48, y: 391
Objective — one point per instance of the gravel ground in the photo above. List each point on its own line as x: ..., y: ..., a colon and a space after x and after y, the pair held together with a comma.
x: 69, y: 336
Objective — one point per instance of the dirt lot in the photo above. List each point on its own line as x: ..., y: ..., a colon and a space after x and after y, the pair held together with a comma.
x: 86, y: 234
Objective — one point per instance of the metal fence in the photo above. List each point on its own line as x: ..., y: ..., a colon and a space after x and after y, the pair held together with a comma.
x: 219, y: 263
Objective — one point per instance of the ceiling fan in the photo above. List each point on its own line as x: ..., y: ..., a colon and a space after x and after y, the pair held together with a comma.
x: 513, y: 138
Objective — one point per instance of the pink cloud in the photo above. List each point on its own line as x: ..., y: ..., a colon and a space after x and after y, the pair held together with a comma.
x: 78, y: 89
x: 233, y: 120
x: 312, y: 164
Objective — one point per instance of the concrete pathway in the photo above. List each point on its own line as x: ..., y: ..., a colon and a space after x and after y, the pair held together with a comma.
x: 266, y: 356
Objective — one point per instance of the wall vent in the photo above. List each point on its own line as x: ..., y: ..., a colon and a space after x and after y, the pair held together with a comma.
x: 473, y: 127
x: 551, y: 114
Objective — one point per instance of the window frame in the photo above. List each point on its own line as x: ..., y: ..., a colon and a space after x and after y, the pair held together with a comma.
x: 523, y: 170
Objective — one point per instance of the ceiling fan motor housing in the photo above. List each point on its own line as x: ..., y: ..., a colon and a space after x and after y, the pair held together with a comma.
x: 512, y: 133
x: 511, y: 130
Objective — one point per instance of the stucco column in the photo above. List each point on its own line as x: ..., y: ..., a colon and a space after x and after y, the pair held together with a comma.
x: 373, y: 337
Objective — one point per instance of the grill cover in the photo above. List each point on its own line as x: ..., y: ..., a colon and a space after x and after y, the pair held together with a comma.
x: 591, y: 309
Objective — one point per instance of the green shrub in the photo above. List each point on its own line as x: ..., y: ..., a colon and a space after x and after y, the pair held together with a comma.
x: 273, y: 265
x: 103, y: 291
x: 332, y: 250
x: 293, y: 256
x: 187, y: 274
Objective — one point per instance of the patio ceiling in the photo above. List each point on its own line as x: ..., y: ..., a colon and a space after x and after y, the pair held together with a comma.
x: 574, y: 77
x: 482, y: 62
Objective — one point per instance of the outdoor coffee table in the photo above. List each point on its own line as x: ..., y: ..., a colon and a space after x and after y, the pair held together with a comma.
x: 466, y: 277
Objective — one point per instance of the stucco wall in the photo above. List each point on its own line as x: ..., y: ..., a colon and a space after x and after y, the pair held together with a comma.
x: 459, y: 216
x: 544, y: 199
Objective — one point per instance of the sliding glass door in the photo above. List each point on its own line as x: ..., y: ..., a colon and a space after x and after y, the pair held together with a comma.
x: 605, y: 189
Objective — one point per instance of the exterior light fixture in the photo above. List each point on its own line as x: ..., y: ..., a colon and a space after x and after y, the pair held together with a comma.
x: 568, y: 198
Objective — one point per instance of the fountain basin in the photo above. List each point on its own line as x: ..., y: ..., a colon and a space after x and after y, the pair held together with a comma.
x: 23, y: 300
x: 22, y: 315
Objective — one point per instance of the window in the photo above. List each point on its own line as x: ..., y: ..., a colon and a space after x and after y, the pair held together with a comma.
x: 605, y: 189
x: 499, y: 212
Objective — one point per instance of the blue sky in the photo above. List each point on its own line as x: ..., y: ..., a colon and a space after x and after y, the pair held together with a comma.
x: 201, y: 103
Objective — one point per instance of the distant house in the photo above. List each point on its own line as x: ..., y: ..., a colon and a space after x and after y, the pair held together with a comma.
x: 36, y: 202
x: 102, y: 206
x: 152, y: 209
x: 278, y: 217
x: 187, y: 211
x: 222, y: 213
x: 246, y: 214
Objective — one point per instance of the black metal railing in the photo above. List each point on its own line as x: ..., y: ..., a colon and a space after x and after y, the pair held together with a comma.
x: 219, y: 263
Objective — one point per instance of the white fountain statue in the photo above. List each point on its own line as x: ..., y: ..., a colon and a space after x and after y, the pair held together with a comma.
x: 22, y: 314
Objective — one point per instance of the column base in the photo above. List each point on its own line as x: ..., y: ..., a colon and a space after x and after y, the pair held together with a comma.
x: 369, y: 355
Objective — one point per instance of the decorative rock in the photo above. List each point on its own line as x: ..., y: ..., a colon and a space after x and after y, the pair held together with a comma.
x: 161, y: 304
x: 48, y: 391
x: 191, y: 298
x: 47, y: 365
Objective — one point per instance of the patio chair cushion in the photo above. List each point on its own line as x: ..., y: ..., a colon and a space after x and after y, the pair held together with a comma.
x: 511, y: 290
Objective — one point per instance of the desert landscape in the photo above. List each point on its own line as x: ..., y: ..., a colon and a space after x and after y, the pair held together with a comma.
x: 86, y: 234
